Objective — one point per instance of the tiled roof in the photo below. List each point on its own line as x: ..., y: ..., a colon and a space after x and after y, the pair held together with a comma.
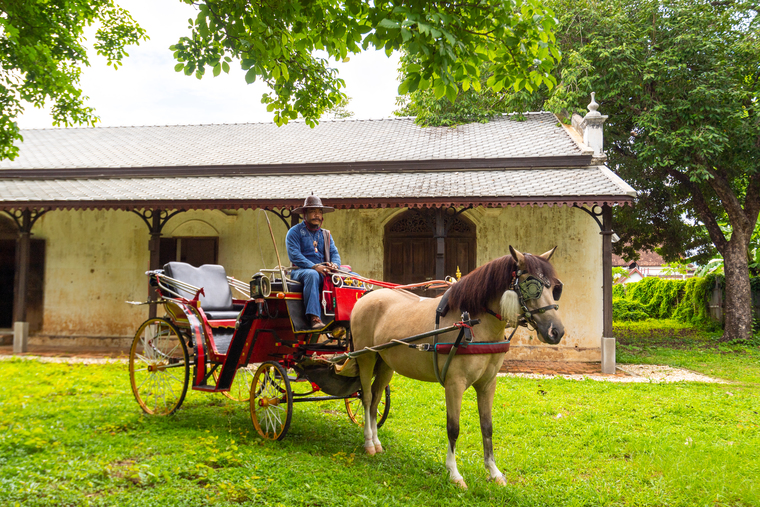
x: 587, y: 185
x: 265, y: 144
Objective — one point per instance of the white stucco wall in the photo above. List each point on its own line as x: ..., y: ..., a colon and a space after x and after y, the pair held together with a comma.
x: 96, y: 260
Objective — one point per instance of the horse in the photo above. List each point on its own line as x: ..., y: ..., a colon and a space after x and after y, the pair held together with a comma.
x: 505, y: 292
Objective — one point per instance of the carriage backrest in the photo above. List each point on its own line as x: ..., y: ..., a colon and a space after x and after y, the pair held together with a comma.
x: 211, y: 277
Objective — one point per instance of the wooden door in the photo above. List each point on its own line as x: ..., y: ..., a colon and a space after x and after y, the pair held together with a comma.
x: 194, y: 251
x: 7, y: 275
x: 409, y: 260
x: 410, y: 247
x: 35, y: 294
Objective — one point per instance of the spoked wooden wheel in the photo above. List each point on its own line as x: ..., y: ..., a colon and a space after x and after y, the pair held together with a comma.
x: 355, y: 408
x: 271, y: 401
x: 240, y: 390
x: 159, y: 368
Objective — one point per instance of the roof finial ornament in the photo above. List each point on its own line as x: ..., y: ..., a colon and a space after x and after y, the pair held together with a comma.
x: 593, y: 106
x: 593, y: 133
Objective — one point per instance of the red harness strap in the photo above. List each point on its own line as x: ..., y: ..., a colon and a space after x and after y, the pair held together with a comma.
x: 475, y: 348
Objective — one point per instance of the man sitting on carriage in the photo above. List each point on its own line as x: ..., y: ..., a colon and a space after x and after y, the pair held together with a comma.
x: 313, y: 254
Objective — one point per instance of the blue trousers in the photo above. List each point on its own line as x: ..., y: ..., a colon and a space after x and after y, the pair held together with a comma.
x: 312, y: 286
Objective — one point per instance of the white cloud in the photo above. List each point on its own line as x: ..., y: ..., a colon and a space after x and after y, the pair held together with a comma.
x: 147, y: 91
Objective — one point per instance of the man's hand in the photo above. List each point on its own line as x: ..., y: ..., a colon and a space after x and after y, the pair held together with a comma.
x: 322, y: 269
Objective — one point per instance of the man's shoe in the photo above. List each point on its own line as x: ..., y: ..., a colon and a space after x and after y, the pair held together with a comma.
x: 316, y: 322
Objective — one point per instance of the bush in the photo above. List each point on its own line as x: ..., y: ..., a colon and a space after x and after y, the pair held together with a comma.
x: 618, y: 290
x: 628, y: 310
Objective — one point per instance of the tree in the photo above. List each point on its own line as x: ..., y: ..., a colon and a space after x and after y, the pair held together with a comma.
x: 42, y: 53
x: 680, y: 81
x: 289, y: 44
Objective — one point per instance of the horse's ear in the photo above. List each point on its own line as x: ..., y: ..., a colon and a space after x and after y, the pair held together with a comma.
x: 517, y: 256
x: 548, y: 255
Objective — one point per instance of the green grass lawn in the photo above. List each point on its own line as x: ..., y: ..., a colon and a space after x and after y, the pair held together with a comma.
x: 73, y: 435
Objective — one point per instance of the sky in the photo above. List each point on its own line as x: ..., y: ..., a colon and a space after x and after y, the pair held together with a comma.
x: 147, y: 91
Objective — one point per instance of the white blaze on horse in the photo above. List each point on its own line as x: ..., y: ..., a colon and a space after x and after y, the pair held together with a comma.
x: 514, y: 289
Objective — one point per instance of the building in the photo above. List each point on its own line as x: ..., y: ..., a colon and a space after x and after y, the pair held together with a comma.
x: 88, y: 210
x: 649, y: 264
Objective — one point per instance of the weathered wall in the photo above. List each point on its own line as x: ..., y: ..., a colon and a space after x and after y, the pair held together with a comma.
x: 578, y: 261
x: 96, y: 260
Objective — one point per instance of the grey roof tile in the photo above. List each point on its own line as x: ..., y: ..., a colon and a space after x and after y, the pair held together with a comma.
x: 337, y: 141
x: 566, y: 185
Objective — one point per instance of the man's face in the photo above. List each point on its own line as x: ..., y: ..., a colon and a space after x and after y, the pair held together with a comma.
x: 313, y: 217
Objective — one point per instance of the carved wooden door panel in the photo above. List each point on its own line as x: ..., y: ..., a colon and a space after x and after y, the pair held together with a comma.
x: 409, y: 260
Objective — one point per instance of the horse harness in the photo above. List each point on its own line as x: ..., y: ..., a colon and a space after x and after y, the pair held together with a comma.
x: 530, y: 288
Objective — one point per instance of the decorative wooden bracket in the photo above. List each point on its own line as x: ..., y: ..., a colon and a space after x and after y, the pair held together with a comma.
x: 25, y: 218
x: 155, y: 219
x: 284, y: 215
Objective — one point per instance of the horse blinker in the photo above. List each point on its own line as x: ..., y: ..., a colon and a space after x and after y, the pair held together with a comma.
x: 557, y: 291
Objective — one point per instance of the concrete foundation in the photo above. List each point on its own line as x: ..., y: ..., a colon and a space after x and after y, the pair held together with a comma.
x: 20, y: 337
x: 608, y: 355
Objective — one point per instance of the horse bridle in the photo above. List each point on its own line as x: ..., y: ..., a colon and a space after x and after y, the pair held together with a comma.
x: 530, y: 288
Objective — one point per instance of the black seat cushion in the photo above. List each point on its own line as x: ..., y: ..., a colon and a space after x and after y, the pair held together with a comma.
x: 221, y: 314
x: 216, y: 298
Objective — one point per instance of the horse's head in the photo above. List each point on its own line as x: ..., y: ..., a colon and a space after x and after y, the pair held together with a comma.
x: 536, y: 289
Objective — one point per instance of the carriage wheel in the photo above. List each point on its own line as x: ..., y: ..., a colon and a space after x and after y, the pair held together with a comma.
x: 159, y: 368
x: 240, y: 390
x: 355, y: 408
x: 271, y: 401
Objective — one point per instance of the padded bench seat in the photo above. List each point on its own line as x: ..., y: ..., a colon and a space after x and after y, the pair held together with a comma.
x: 216, y: 300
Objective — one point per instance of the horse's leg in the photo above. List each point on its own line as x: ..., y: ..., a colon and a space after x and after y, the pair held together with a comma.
x: 454, y: 392
x: 366, y: 369
x: 383, y: 376
x: 485, y: 394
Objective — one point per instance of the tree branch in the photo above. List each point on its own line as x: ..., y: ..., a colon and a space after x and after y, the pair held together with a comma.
x: 702, y: 209
x: 728, y: 199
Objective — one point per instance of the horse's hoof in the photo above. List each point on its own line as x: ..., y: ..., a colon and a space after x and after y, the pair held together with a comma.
x: 379, y: 448
x: 499, y: 479
x: 370, y: 450
x: 460, y: 482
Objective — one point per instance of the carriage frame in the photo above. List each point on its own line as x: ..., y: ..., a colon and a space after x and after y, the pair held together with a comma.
x: 252, y: 348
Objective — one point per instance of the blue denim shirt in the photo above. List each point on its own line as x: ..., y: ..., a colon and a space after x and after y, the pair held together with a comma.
x: 300, y: 244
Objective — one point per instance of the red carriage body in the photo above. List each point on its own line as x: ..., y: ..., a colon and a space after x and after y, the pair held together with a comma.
x: 209, y: 340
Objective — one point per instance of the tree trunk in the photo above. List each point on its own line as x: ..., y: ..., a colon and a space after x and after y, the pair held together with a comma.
x: 738, y: 303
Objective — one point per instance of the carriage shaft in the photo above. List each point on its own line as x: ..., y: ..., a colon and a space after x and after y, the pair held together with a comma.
x: 394, y: 343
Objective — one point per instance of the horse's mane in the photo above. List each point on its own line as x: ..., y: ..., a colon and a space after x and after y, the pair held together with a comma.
x: 478, y: 288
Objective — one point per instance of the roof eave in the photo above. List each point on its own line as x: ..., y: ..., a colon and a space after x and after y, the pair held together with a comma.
x: 564, y: 161
x: 347, y: 203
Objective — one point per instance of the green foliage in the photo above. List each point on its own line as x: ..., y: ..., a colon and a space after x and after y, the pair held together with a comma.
x: 686, y: 300
x: 42, y: 54
x: 626, y: 309
x: 340, y: 111
x: 694, y: 304
x: 451, y: 44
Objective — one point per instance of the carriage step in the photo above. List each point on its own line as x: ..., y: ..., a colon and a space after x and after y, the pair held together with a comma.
x: 207, y: 388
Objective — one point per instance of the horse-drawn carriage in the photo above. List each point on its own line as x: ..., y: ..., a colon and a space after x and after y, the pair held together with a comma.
x: 258, y: 348
x: 221, y: 337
